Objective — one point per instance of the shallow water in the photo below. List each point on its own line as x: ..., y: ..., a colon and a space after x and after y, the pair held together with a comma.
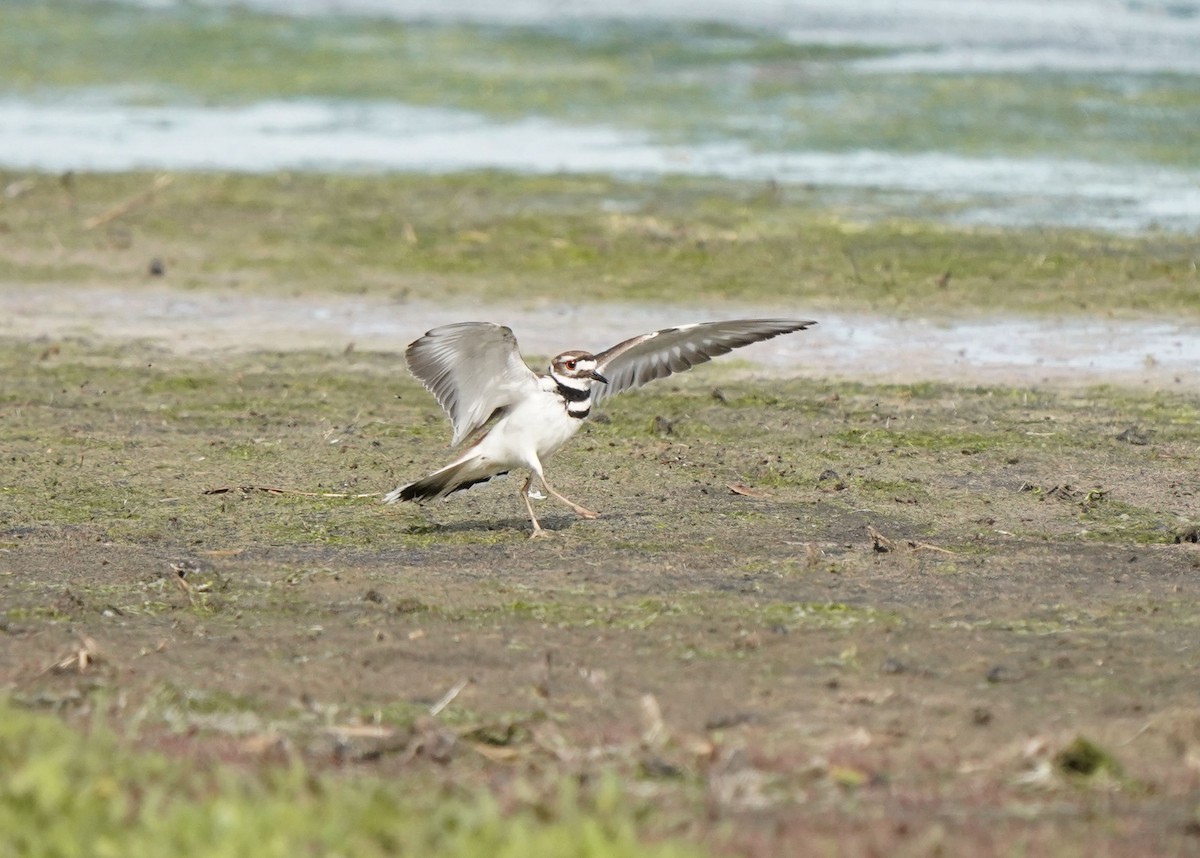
x: 96, y: 134
x: 1013, y: 351
x: 1138, y: 36
x: 1080, y: 113
x: 1086, y: 34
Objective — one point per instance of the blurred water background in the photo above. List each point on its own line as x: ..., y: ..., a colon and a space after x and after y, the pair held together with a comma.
x: 1075, y: 112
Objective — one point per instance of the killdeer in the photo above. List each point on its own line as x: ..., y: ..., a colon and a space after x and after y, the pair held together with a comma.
x: 517, y: 418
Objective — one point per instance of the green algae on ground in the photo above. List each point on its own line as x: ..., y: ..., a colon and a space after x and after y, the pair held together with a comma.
x: 511, y: 238
x: 297, y: 449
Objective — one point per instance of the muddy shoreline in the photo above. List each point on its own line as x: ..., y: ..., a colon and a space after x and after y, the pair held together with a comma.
x: 850, y: 346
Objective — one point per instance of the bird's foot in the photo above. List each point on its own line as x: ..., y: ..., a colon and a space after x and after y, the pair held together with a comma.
x: 581, y: 511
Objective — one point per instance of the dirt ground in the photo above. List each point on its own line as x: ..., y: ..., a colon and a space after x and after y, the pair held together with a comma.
x: 815, y: 617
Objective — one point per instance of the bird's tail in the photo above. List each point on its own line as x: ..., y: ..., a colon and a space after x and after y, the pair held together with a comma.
x: 458, y: 475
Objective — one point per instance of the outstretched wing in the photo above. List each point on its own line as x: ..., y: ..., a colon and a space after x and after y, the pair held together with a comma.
x: 656, y: 355
x: 472, y: 368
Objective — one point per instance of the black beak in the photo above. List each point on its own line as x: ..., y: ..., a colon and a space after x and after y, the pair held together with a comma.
x: 598, y: 377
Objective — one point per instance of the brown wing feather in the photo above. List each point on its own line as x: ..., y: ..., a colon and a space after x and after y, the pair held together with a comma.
x: 645, y: 358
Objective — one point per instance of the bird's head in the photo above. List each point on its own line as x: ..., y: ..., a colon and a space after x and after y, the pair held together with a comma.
x: 571, y: 368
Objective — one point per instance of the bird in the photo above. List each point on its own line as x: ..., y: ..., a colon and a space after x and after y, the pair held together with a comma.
x: 514, y: 418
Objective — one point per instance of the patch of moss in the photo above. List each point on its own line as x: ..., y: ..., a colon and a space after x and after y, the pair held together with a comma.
x: 69, y: 793
x: 502, y: 237
x: 1114, y: 520
x: 309, y: 467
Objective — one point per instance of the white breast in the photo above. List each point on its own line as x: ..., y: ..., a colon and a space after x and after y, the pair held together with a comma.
x: 535, y: 428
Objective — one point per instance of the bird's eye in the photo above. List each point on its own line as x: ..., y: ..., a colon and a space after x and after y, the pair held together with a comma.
x: 570, y: 364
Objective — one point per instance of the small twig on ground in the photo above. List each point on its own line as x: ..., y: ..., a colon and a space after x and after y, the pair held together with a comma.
x: 745, y: 490
x: 135, y: 202
x: 882, y: 543
x: 271, y: 490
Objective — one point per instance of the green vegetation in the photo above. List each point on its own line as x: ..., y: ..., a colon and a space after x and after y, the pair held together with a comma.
x: 1083, y: 758
x: 67, y: 792
x: 511, y: 238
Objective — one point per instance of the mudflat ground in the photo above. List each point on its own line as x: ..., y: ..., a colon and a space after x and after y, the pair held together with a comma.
x: 815, y: 616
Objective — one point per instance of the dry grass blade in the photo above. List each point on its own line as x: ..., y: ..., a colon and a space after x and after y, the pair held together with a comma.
x: 449, y: 696
x: 495, y: 753
x: 361, y: 731
x: 79, y: 659
x: 654, y: 729
x: 746, y: 491
x: 131, y: 204
x: 926, y: 546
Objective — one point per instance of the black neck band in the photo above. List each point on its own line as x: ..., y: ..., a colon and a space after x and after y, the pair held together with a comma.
x: 572, y: 394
